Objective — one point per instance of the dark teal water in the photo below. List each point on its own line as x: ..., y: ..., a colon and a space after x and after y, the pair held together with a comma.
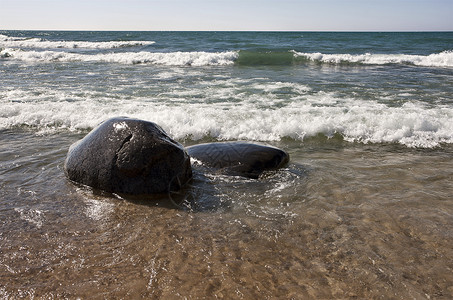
x: 417, y: 43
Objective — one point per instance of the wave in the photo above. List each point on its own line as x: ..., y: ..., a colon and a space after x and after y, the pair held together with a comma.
x: 202, y: 58
x: 282, y: 58
x: 170, y: 59
x: 412, y: 124
x: 443, y: 59
x: 37, y: 43
x: 270, y: 58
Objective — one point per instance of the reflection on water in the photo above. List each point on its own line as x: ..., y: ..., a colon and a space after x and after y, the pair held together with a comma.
x: 341, y: 221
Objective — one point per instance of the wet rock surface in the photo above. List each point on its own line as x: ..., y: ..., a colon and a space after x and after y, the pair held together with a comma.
x: 131, y: 156
x: 239, y: 158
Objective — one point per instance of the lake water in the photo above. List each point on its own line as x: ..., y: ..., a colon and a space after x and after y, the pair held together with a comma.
x: 363, y: 210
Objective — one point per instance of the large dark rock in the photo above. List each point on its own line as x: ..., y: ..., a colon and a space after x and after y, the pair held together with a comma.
x: 239, y: 158
x: 130, y: 156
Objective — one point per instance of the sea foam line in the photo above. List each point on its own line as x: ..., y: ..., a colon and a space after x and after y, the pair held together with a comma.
x: 412, y: 124
x: 37, y: 43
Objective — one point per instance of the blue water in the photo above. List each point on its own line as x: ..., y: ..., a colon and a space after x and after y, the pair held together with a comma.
x: 362, y: 210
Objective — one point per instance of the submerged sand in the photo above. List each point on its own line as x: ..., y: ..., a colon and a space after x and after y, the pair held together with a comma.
x: 350, y: 221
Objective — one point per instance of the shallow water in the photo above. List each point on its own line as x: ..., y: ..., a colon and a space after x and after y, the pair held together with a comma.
x: 341, y: 220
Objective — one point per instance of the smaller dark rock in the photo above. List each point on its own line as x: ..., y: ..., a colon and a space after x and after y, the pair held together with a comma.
x: 129, y: 156
x: 239, y: 158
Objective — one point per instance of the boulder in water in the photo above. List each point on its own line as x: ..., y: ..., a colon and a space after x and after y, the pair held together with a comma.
x: 239, y: 158
x: 131, y: 156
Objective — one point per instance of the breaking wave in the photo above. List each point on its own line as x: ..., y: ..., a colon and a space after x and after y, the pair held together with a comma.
x: 242, y: 58
x: 42, y: 50
x: 443, y: 59
x: 412, y: 124
x: 170, y: 59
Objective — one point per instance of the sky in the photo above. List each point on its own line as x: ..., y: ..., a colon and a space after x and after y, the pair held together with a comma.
x: 219, y: 15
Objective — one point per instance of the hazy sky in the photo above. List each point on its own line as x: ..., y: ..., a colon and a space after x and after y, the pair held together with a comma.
x: 335, y: 15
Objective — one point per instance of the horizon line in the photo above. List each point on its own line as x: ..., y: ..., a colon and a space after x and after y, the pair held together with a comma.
x: 223, y: 30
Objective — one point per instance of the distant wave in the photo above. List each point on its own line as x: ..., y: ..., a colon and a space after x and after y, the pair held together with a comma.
x: 37, y: 43
x: 170, y: 59
x: 443, y: 59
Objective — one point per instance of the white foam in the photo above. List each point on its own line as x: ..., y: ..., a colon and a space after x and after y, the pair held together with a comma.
x: 37, y: 43
x: 10, y: 38
x: 98, y: 209
x: 271, y: 87
x: 32, y: 216
x: 252, y: 118
x: 443, y: 59
x: 169, y: 59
